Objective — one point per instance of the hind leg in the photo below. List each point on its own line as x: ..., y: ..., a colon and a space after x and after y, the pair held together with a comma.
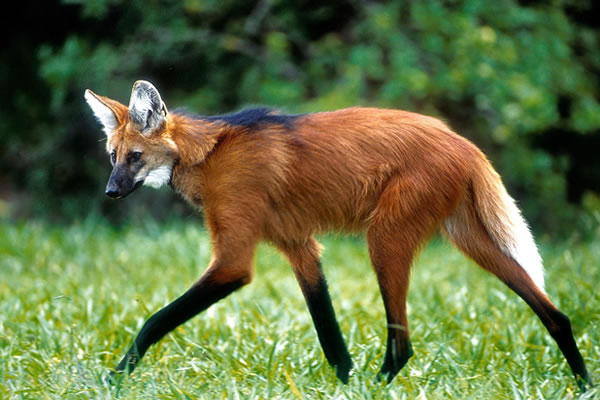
x: 400, y: 224
x: 465, y: 230
x: 391, y: 253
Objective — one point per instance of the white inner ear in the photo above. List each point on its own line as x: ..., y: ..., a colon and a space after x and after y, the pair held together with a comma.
x: 104, y: 114
x: 140, y: 103
x: 146, y: 109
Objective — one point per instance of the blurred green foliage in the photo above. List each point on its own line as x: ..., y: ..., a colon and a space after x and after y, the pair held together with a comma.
x: 520, y: 79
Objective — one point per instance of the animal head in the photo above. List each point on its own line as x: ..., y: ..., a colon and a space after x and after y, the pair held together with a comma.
x: 139, y: 142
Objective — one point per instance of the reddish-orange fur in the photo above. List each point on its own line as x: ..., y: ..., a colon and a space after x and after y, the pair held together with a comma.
x: 396, y: 175
x: 342, y: 171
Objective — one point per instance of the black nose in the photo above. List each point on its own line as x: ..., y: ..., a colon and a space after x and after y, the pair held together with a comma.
x: 112, y: 192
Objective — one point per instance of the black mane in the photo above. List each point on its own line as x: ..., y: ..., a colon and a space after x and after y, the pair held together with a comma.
x: 248, y: 117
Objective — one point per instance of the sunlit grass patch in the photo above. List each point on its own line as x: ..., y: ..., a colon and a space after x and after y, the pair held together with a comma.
x: 73, y: 298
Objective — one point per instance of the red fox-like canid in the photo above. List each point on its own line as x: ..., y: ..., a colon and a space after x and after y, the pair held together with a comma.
x: 263, y: 176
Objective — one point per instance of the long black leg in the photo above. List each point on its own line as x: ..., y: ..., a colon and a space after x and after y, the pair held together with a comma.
x: 304, y: 258
x: 328, y: 330
x: 475, y: 242
x: 557, y: 324
x: 391, y: 255
x: 199, y: 297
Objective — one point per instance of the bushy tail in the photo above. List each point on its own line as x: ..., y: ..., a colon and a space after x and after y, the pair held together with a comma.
x: 504, y: 223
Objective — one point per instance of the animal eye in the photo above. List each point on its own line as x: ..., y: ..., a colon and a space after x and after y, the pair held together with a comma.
x: 113, y: 157
x: 135, y: 156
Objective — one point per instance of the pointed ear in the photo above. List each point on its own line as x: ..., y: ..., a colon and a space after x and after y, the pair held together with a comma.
x: 146, y: 109
x: 108, y: 112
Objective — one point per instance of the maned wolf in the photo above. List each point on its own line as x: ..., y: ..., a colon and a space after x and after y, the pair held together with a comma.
x: 261, y: 175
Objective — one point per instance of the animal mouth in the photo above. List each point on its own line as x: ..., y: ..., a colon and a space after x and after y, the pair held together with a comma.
x: 135, y: 186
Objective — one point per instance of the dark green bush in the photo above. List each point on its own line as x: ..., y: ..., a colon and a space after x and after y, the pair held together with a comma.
x: 520, y: 79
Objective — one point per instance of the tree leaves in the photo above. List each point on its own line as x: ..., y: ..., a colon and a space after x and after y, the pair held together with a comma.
x: 501, y: 73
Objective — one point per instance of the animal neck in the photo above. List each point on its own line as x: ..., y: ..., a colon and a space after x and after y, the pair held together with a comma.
x: 194, y: 138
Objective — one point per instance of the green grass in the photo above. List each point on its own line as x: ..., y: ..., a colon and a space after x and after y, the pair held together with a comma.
x: 73, y: 298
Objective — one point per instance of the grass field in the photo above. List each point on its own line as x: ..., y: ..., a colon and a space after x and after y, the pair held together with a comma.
x: 73, y: 298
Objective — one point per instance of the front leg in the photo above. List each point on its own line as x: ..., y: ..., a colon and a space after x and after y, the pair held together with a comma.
x: 230, y: 269
x: 307, y: 267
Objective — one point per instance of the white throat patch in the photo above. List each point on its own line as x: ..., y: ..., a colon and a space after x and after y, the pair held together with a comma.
x: 159, y: 177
